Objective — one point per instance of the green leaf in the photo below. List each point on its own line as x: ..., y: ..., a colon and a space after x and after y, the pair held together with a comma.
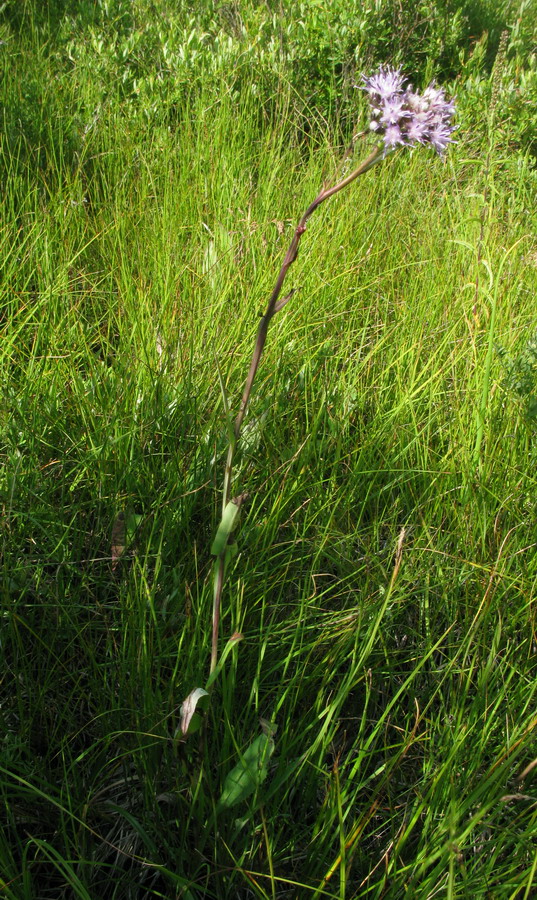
x: 249, y: 772
x: 225, y: 528
x: 132, y: 523
x: 233, y: 641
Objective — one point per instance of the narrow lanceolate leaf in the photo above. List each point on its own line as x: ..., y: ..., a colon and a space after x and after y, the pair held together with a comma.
x: 190, y: 719
x: 249, y: 773
x: 225, y: 528
x: 233, y: 641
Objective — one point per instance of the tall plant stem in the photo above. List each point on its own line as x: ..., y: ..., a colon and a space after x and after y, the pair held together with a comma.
x: 274, y: 306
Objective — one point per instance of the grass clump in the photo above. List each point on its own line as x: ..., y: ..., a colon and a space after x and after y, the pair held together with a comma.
x: 385, y: 577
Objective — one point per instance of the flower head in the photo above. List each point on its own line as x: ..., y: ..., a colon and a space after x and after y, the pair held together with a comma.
x: 393, y: 137
x: 384, y: 84
x: 405, y: 118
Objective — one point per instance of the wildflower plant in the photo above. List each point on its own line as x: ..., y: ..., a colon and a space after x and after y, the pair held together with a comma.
x: 400, y: 117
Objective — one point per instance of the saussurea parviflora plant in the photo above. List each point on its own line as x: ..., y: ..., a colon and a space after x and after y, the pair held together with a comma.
x: 400, y: 117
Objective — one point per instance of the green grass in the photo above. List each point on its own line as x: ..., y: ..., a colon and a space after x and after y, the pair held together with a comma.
x: 385, y: 581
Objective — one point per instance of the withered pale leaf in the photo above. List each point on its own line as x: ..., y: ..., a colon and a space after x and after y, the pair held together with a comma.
x: 118, y: 539
x: 190, y: 720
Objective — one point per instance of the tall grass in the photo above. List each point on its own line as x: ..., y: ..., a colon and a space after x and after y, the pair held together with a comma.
x: 384, y: 584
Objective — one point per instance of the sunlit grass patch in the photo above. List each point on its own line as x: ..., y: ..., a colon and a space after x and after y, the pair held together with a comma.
x: 384, y: 583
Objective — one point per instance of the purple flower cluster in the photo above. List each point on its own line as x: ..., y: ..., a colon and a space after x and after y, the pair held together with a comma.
x: 405, y: 118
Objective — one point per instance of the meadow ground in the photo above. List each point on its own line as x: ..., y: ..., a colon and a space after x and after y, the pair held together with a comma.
x: 385, y: 579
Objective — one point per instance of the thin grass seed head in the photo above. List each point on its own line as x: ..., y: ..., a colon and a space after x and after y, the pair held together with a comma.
x: 404, y: 118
